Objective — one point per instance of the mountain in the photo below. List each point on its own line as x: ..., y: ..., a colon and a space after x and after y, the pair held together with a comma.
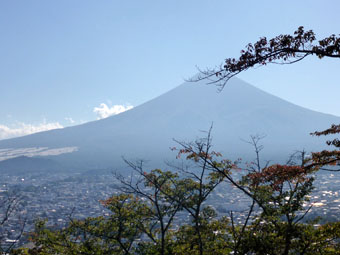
x: 147, y: 131
x: 23, y: 164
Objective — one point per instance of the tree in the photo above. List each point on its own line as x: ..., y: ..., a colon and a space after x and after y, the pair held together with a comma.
x: 168, y: 193
x: 154, y: 188
x: 114, y: 234
x: 10, y: 218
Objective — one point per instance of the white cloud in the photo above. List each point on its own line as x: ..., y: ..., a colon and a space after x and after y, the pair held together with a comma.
x: 69, y: 119
x: 103, y: 111
x: 25, y: 129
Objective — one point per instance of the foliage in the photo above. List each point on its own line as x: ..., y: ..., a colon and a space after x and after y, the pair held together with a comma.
x: 327, y: 158
x: 115, y: 234
x: 282, y: 49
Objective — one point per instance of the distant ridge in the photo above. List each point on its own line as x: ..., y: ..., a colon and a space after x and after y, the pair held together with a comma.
x: 147, y: 131
x: 24, y: 164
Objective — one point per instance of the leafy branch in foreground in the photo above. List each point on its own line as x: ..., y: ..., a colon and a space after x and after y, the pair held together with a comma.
x: 327, y: 160
x: 282, y: 49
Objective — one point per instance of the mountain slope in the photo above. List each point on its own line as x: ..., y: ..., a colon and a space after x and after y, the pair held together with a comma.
x: 147, y: 131
x: 23, y: 164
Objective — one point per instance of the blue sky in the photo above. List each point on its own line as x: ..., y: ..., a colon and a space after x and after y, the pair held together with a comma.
x: 61, y: 60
